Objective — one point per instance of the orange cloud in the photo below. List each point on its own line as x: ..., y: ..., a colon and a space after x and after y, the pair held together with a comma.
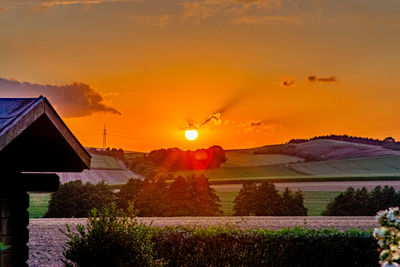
x: 288, y: 82
x: 313, y: 79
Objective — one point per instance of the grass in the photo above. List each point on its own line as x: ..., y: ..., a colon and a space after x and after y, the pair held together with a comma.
x: 245, y: 157
x: 104, y: 162
x: 315, y: 201
x: 38, y: 204
x: 359, y: 169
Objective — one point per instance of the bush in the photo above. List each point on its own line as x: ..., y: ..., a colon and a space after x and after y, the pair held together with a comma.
x: 360, y: 202
x: 265, y: 200
x: 286, y: 247
x: 75, y: 199
x: 112, y: 238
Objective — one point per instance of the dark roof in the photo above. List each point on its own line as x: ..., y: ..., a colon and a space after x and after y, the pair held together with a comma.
x: 33, y: 137
x: 11, y: 108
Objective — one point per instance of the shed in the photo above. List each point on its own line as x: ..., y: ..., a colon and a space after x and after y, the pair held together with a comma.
x: 33, y: 138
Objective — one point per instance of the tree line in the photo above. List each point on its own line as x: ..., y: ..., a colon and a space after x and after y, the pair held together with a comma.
x: 388, y: 142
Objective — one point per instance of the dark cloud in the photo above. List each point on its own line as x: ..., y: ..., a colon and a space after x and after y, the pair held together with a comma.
x: 258, y: 126
x: 288, y: 82
x: 313, y: 78
x: 71, y: 100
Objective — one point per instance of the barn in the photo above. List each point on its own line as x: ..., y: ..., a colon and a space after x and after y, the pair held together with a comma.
x: 34, y: 144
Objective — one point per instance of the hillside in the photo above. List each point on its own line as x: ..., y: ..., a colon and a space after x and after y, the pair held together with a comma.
x: 103, y: 168
x: 326, y: 150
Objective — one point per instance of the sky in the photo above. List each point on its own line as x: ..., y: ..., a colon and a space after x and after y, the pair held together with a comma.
x: 244, y: 73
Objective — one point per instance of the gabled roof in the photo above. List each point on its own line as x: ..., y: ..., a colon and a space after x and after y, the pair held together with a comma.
x: 33, y: 137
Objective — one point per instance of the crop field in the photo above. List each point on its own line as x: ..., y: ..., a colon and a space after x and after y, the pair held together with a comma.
x: 95, y: 176
x: 314, y: 201
x: 245, y: 157
x: 362, y: 169
x: 104, y: 162
x: 38, y: 204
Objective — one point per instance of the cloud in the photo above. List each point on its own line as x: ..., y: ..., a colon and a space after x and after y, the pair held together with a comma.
x: 288, y: 82
x: 202, y: 9
x: 257, y: 126
x: 215, y: 117
x: 71, y: 100
x: 257, y: 20
x: 313, y: 79
x: 153, y: 20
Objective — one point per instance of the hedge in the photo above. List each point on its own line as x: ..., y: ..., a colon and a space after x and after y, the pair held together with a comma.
x: 287, y: 247
x: 114, y: 239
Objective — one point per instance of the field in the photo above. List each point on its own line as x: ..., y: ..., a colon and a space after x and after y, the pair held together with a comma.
x: 105, y: 162
x: 245, y: 157
x: 362, y: 169
x: 46, y: 242
x: 38, y: 204
x: 315, y: 201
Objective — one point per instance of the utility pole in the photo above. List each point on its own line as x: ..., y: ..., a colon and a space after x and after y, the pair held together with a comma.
x: 105, y: 137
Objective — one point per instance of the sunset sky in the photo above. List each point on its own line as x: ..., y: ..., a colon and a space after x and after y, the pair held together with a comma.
x: 244, y: 72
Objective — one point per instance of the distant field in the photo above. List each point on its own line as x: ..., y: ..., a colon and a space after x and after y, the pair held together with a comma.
x: 38, y: 204
x: 104, y: 162
x: 372, y: 168
x: 315, y: 202
x: 245, y: 157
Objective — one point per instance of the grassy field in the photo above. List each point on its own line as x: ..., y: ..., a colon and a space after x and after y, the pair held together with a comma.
x: 372, y: 168
x: 38, y: 204
x: 315, y: 202
x: 104, y: 162
x: 245, y: 157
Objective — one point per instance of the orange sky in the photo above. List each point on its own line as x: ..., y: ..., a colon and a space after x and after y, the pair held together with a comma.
x: 162, y: 63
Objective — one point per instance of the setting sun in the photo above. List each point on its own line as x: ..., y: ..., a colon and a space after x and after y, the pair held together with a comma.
x: 191, y: 134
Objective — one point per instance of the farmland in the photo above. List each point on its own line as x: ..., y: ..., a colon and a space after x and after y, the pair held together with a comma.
x: 315, y: 201
x: 371, y: 168
x: 46, y: 242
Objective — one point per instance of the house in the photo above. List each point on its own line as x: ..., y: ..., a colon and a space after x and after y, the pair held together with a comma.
x: 34, y: 143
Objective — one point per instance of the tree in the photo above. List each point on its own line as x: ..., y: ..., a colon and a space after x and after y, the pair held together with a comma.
x: 75, y: 199
x: 265, y: 200
x: 128, y: 193
x: 360, y: 202
x: 151, y: 201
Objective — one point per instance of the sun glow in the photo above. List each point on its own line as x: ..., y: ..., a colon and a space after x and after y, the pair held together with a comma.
x: 191, y: 134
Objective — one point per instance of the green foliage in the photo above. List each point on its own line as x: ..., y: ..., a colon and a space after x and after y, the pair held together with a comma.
x: 286, y: 247
x: 75, y: 199
x: 265, y: 200
x: 191, y: 196
x: 360, y: 202
x: 128, y: 193
x: 111, y: 238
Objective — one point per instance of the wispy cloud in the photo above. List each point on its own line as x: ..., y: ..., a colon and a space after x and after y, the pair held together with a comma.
x: 312, y: 79
x: 257, y: 126
x: 202, y: 9
x: 288, y: 82
x: 257, y: 20
x: 153, y: 20
x: 71, y: 100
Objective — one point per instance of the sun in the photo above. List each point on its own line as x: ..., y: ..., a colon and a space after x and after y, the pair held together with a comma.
x: 191, y: 134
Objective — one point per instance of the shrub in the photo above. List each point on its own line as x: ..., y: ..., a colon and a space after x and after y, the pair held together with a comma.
x: 128, y: 193
x: 75, y: 199
x: 286, y: 247
x: 111, y: 238
x: 360, y: 202
x: 265, y: 200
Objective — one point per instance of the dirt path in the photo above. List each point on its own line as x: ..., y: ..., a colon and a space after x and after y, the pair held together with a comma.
x: 46, y: 242
x: 316, y: 186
